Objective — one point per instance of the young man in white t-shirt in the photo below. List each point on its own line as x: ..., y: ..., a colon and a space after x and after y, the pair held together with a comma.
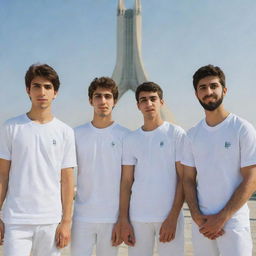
x: 220, y: 171
x: 151, y: 186
x: 37, y: 156
x: 99, y: 153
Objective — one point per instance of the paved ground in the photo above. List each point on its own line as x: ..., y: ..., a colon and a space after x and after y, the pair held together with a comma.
x: 188, y: 243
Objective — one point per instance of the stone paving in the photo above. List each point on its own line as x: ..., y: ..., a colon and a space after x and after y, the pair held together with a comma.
x: 188, y: 243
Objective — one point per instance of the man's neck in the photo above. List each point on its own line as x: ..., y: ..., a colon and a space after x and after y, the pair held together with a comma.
x: 217, y: 116
x: 152, y: 124
x: 102, y: 122
x: 41, y: 116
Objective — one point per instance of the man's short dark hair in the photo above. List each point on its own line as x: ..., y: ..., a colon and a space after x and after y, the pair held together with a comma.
x: 103, y: 82
x: 42, y: 70
x: 149, y: 87
x: 208, y: 70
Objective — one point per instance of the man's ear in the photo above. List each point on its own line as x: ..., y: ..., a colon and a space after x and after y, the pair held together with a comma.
x: 138, y: 105
x: 225, y: 90
x: 196, y: 94
x: 28, y: 90
x: 115, y: 102
x: 55, y: 94
x: 90, y: 101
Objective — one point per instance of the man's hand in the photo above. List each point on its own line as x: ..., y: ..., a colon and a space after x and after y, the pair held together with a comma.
x: 62, y: 235
x: 1, y: 232
x: 167, y: 230
x: 199, y: 219
x: 116, y: 235
x: 127, y: 233
x: 213, y: 226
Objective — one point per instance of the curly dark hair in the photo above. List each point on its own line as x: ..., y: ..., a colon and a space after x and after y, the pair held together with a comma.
x: 149, y: 87
x: 103, y: 82
x: 45, y: 71
x: 208, y: 70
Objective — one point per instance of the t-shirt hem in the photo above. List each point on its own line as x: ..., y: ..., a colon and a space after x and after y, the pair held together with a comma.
x: 152, y: 220
x: 85, y: 220
x: 31, y: 221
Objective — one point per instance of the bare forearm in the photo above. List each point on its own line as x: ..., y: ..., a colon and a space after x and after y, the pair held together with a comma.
x: 241, y: 195
x: 3, y: 190
x: 125, y: 194
x: 67, y: 195
x: 178, y: 201
x: 4, y: 179
x: 191, y: 197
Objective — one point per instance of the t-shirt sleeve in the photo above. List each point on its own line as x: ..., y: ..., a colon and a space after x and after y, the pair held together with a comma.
x: 5, y: 143
x: 179, y: 145
x: 187, y: 153
x: 247, y: 140
x: 69, y: 156
x: 128, y: 157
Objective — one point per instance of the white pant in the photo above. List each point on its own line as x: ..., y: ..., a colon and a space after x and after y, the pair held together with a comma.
x: 86, y: 235
x: 21, y: 240
x: 147, y: 233
x: 234, y: 242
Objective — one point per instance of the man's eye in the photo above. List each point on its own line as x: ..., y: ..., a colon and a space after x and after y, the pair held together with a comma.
x: 48, y: 87
x: 108, y: 96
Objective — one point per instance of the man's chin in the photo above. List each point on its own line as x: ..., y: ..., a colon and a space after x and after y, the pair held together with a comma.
x: 212, y: 105
x: 104, y: 114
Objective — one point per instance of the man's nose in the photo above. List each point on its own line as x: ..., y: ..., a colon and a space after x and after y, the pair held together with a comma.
x: 149, y: 102
x: 103, y: 99
x: 42, y: 90
x: 209, y: 90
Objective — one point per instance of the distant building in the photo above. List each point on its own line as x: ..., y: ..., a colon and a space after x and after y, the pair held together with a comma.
x: 129, y: 70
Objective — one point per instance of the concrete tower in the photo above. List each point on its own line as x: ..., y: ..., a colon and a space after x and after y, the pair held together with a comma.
x: 129, y: 70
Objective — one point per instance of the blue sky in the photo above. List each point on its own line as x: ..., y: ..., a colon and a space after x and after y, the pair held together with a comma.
x: 78, y: 38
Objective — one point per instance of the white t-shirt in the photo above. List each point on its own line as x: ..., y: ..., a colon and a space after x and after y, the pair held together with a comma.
x: 153, y: 153
x: 37, y: 153
x: 218, y: 153
x: 99, y: 153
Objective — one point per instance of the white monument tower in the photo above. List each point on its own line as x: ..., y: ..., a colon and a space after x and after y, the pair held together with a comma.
x: 129, y: 70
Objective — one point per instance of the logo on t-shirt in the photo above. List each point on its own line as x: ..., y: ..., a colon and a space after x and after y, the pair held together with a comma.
x: 161, y: 144
x: 54, y: 142
x: 227, y: 144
